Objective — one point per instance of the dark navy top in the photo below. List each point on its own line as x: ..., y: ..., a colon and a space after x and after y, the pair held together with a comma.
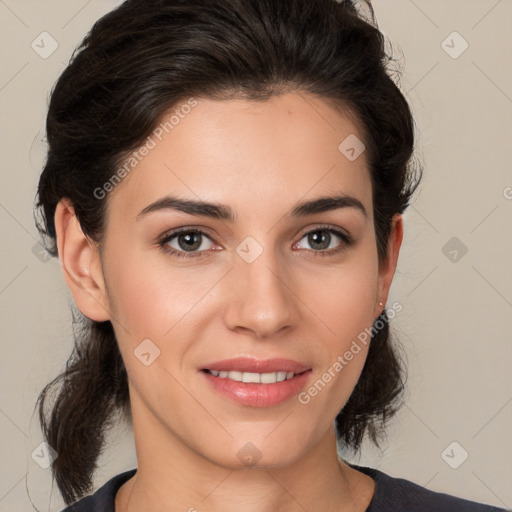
x: 391, y: 495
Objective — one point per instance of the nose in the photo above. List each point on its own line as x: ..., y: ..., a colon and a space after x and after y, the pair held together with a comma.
x: 262, y: 300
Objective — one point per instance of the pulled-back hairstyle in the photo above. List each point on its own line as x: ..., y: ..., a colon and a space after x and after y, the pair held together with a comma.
x: 139, y: 61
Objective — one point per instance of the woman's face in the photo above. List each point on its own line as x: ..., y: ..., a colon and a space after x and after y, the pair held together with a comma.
x: 269, y: 281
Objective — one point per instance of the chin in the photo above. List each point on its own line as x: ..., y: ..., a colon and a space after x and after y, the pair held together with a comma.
x: 260, y: 453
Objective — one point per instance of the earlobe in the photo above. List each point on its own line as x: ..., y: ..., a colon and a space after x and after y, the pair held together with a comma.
x: 80, y: 264
x: 388, y: 266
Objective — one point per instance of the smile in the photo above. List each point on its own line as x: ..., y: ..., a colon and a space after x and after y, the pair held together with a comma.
x: 252, y: 389
x: 252, y: 377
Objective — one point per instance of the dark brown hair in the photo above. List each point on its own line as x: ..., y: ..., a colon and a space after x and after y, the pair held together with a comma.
x: 140, y: 60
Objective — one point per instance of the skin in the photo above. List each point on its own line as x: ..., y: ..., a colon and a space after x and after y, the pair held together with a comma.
x: 260, y: 158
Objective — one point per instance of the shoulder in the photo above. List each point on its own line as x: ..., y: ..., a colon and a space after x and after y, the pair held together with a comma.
x: 103, y: 500
x: 399, y: 495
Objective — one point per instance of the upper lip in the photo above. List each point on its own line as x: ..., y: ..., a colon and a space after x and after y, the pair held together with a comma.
x: 247, y: 364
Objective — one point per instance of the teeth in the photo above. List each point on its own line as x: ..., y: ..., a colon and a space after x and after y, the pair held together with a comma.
x: 258, y: 378
x: 250, y: 377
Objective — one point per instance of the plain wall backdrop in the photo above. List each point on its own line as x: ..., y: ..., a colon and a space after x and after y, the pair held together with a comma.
x: 454, y: 276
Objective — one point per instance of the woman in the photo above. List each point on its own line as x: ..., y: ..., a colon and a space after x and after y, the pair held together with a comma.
x: 224, y: 189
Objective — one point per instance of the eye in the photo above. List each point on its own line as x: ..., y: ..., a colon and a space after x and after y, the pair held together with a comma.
x: 185, y: 243
x: 190, y: 242
x: 323, y: 241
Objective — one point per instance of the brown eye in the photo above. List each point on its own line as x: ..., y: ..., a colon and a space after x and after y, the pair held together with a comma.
x: 320, y: 239
x: 189, y: 241
x: 180, y: 242
x: 323, y: 241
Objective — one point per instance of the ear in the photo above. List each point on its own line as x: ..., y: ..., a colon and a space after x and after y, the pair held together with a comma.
x: 81, y: 265
x: 388, y: 266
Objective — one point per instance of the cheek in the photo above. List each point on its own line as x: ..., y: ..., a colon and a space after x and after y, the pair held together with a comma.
x: 343, y: 295
x: 149, y: 297
x: 349, y: 304
x: 343, y: 302
x: 156, y: 301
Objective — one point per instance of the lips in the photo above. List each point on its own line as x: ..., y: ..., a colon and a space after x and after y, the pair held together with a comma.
x: 257, y: 383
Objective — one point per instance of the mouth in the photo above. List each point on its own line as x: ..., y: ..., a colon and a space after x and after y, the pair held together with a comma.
x: 257, y: 383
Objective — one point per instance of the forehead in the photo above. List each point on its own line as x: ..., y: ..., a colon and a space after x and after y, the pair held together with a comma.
x: 249, y: 154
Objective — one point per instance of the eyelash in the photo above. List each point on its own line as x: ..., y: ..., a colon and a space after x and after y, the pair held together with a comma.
x: 347, y: 241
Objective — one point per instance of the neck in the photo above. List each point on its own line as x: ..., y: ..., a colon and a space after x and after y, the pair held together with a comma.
x: 172, y: 476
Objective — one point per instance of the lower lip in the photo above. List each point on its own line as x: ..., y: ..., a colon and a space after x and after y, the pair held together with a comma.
x: 258, y: 395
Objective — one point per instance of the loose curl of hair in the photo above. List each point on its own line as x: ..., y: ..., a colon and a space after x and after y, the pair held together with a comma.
x: 135, y: 64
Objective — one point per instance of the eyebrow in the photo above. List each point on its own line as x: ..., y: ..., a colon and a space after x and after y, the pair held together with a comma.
x: 224, y: 212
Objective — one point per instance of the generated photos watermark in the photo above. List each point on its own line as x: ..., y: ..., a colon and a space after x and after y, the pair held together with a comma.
x: 165, y: 127
x: 343, y: 360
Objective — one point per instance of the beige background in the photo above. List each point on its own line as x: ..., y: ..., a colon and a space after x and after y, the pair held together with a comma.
x: 455, y: 325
